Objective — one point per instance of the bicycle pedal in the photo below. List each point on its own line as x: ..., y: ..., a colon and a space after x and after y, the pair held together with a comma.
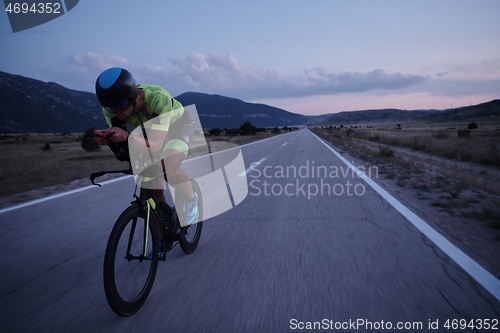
x: 168, y: 246
x: 174, y: 234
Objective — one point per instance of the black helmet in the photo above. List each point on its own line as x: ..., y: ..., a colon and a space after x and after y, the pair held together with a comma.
x: 115, y: 85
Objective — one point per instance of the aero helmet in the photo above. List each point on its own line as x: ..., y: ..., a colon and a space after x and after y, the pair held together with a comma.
x: 115, y: 85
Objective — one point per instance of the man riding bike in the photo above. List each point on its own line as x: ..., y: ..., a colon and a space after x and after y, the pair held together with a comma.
x: 124, y: 103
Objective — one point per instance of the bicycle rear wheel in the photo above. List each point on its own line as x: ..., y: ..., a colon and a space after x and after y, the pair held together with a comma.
x: 192, y: 233
x: 128, y: 274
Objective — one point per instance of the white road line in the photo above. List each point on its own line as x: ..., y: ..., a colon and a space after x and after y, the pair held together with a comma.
x: 284, y: 144
x: 254, y: 165
x: 114, y: 180
x: 476, y: 271
x: 58, y: 195
x: 247, y: 144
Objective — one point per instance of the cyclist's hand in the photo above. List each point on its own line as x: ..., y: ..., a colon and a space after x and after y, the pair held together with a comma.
x: 117, y: 134
x: 101, y: 136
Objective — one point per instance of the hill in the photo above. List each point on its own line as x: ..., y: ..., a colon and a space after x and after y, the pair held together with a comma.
x: 483, y: 110
x: 28, y: 105
x: 365, y: 116
x: 224, y: 112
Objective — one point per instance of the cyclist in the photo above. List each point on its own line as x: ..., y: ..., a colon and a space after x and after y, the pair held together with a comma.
x: 125, y: 103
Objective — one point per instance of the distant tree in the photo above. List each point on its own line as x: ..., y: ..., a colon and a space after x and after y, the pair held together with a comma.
x: 46, y: 147
x: 276, y: 130
x: 88, y: 143
x: 215, y: 131
x: 247, y: 129
x: 341, y: 126
x: 232, y: 131
x: 472, y: 125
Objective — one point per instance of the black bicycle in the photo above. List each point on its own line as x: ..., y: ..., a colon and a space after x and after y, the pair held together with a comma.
x: 132, y: 252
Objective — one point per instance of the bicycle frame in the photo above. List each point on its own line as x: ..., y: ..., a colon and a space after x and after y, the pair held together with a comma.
x: 145, y: 199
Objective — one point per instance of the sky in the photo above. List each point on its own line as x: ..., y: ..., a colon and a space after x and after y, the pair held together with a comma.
x: 308, y: 57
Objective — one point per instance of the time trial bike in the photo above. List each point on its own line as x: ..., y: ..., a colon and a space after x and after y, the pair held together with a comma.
x: 132, y: 252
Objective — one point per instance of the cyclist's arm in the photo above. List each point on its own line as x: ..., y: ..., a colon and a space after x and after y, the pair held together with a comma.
x: 101, y: 137
x: 115, y: 137
x: 154, y: 142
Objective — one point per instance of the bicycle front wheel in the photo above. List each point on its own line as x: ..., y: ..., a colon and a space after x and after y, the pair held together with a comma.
x: 128, y: 273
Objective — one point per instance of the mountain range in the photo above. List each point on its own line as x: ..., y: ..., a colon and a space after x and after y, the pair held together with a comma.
x: 484, y: 110
x: 29, y: 105
x: 224, y: 112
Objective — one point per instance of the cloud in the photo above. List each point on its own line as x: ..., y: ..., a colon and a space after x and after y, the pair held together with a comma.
x: 441, y: 74
x: 95, y: 61
x: 80, y: 71
x: 316, y: 90
x: 224, y: 74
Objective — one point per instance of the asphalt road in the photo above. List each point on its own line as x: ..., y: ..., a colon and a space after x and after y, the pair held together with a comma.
x: 280, y: 259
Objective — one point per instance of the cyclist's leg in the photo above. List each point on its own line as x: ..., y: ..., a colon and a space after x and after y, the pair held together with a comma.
x: 177, y: 177
x: 159, y: 196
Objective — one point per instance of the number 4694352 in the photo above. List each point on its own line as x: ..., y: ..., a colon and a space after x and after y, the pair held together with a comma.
x: 40, y: 8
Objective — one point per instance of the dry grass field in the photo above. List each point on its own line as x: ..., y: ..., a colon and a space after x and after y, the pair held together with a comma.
x: 25, y: 165
x: 474, y: 160
x: 482, y: 145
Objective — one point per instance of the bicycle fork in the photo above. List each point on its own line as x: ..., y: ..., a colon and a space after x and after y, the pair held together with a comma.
x: 145, y: 206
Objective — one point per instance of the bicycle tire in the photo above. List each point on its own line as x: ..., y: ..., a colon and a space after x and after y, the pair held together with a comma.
x: 125, y: 290
x: 192, y: 233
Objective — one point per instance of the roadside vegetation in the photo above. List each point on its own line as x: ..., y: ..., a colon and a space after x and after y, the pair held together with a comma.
x: 469, y: 145
x: 32, y: 161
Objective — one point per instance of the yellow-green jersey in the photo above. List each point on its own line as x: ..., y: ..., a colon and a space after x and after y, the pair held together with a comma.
x: 157, y: 102
x: 161, y: 108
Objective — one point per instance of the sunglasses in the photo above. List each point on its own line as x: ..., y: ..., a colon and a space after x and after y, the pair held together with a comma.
x: 119, y: 107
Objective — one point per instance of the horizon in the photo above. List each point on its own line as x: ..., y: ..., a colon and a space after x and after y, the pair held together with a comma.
x: 313, y: 115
